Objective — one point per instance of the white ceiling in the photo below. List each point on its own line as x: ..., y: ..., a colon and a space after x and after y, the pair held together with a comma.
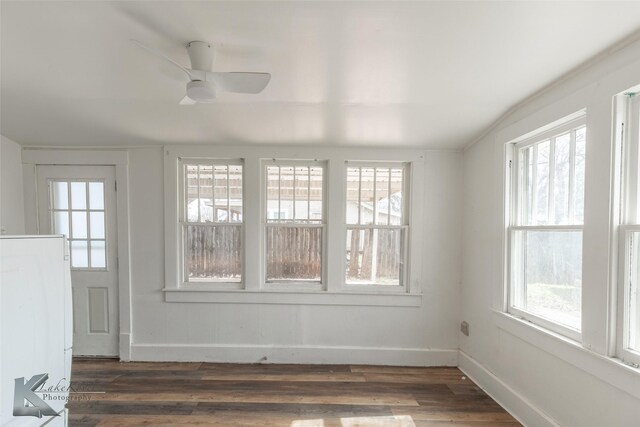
x: 426, y: 74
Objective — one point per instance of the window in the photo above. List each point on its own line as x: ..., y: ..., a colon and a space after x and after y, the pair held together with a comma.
x: 376, y: 225
x: 547, y: 216
x: 211, y: 221
x: 294, y: 222
x: 629, y: 341
x: 78, y: 211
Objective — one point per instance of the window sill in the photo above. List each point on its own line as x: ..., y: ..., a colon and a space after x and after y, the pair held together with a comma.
x: 607, y: 369
x: 300, y: 297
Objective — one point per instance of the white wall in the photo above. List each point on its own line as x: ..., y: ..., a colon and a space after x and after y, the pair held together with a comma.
x: 297, y: 333
x: 11, y: 191
x: 543, y: 379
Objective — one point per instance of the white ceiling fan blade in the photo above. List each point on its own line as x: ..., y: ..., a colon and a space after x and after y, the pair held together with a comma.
x: 187, y: 101
x: 240, y: 82
x: 161, y: 55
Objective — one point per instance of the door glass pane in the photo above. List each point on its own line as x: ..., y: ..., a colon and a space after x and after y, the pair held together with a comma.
x: 552, y: 275
x: 294, y: 254
x: 79, y: 225
x: 96, y: 195
x: 61, y: 223
x: 98, y: 254
x: 79, y: 255
x: 60, y: 195
x: 97, y: 225
x: 78, y: 195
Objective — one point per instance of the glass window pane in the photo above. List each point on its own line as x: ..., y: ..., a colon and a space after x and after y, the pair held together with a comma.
x: 96, y: 195
x: 97, y: 225
x: 98, y: 254
x: 213, y: 253
x: 286, y: 192
x: 562, y: 151
x: 205, y: 186
x: 191, y: 184
x: 633, y: 304
x: 79, y: 225
x: 353, y: 194
x: 374, y: 256
x: 578, y: 195
x: 382, y: 196
x: 78, y: 195
x: 395, y: 198
x: 301, y: 191
x: 221, y: 196
x: 273, y: 193
x: 551, y: 280
x: 235, y: 193
x: 526, y: 177
x: 316, y: 194
x: 61, y: 223
x: 366, y: 195
x: 79, y: 255
x: 60, y: 195
x: 294, y: 254
x: 542, y: 184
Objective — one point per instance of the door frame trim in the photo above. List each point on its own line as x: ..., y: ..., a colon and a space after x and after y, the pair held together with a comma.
x: 32, y: 157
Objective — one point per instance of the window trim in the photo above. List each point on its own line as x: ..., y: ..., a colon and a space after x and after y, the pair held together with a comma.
x: 405, y: 226
x: 182, y: 222
x: 629, y: 180
x: 513, y: 220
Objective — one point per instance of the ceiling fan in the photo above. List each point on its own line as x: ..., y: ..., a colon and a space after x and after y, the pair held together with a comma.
x: 204, y: 83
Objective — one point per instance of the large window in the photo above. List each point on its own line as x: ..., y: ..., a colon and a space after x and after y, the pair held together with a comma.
x: 294, y: 222
x: 376, y: 224
x: 212, y: 221
x: 629, y: 321
x: 547, y: 216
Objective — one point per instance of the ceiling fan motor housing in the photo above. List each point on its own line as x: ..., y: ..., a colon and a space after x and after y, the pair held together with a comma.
x: 201, y: 91
x: 201, y: 55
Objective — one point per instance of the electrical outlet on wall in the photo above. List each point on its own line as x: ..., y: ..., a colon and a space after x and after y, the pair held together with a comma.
x: 464, y: 327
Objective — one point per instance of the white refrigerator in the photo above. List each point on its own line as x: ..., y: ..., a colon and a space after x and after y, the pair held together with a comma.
x: 36, y: 330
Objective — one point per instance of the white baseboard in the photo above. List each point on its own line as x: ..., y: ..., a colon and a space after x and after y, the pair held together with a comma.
x: 293, y: 354
x: 516, y: 404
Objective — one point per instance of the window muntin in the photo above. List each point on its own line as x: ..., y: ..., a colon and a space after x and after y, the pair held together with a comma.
x: 212, y: 225
x: 294, y: 222
x: 77, y: 210
x: 629, y: 341
x: 546, y: 228
x: 376, y: 230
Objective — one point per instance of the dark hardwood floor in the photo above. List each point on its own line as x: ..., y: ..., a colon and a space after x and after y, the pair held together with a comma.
x: 168, y: 394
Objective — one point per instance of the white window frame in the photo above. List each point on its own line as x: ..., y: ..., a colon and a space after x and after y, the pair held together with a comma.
x: 514, y: 219
x: 404, y: 226
x: 254, y: 290
x: 183, y: 222
x: 294, y: 284
x: 629, y: 110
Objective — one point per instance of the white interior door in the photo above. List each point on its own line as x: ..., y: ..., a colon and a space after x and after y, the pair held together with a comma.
x: 80, y: 202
